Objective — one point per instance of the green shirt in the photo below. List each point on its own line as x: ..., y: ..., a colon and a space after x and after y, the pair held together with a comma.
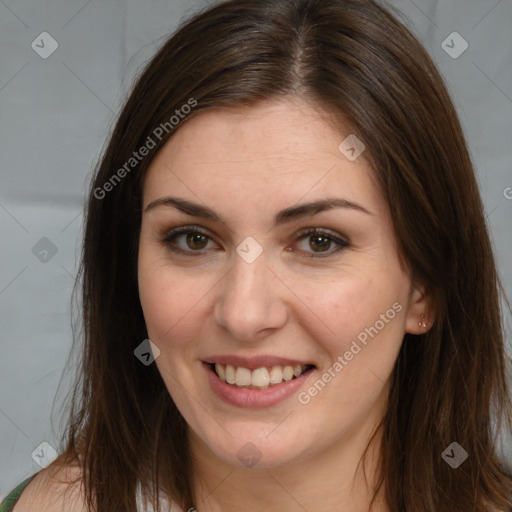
x: 10, y: 500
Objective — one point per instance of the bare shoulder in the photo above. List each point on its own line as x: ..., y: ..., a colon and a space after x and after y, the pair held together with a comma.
x: 55, y: 490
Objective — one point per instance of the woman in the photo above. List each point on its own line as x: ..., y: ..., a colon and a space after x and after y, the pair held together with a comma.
x: 290, y: 300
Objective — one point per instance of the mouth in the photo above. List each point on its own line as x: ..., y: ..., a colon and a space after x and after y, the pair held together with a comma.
x: 261, y: 378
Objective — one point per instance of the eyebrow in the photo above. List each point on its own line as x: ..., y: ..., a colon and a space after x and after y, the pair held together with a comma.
x: 282, y: 217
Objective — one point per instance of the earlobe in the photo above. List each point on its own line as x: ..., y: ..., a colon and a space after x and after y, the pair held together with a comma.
x: 420, y: 317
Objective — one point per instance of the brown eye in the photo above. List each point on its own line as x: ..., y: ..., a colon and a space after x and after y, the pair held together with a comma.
x: 321, y: 241
x: 323, y: 245
x: 195, y: 240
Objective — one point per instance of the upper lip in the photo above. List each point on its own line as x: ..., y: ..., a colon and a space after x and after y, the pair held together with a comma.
x: 252, y: 363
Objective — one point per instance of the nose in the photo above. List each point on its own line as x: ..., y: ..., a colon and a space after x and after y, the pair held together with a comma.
x: 251, y: 302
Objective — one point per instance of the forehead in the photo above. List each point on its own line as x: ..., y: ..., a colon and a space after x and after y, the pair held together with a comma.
x: 278, y: 153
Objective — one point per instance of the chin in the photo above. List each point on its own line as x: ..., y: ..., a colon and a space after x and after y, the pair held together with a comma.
x: 253, y: 447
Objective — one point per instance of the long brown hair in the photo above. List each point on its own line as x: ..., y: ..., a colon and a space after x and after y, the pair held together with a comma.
x: 355, y: 58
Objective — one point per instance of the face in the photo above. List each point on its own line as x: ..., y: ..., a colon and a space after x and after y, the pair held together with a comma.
x: 253, y: 291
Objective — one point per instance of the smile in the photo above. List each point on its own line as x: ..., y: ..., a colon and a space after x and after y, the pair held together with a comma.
x: 260, y: 378
x: 257, y: 387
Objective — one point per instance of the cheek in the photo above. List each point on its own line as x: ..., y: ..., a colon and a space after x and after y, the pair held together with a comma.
x: 362, y: 308
x: 166, y: 294
x: 166, y: 299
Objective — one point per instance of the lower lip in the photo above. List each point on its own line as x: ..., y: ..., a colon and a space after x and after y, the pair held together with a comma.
x: 254, y: 398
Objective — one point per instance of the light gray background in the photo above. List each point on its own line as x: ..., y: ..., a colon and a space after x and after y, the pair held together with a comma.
x: 55, y: 115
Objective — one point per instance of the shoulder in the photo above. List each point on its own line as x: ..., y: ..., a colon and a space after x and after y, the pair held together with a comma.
x: 55, y: 490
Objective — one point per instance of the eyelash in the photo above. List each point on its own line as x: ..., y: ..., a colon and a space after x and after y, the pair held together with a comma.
x: 169, y: 237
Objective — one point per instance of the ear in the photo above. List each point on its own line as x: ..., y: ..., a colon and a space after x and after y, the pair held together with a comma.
x: 420, y: 315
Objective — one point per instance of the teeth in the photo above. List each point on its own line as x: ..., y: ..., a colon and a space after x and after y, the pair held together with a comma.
x: 288, y: 373
x: 260, y: 378
x: 276, y: 375
x: 220, y: 371
x: 243, y: 377
x: 230, y: 374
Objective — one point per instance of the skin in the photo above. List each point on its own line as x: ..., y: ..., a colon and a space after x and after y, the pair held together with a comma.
x: 248, y: 164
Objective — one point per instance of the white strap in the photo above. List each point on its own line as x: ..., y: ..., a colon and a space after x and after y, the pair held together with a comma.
x: 144, y: 506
